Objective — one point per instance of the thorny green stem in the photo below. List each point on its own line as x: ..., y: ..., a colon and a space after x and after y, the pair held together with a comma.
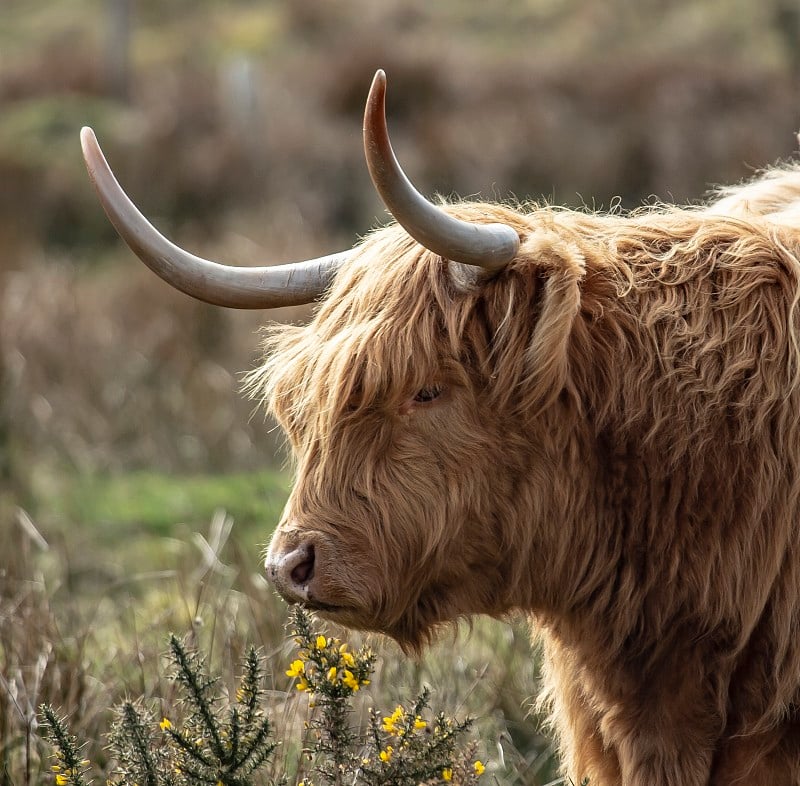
x: 189, y: 677
x: 132, y: 724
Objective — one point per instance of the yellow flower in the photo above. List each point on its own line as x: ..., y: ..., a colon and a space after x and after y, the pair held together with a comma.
x: 419, y: 723
x: 447, y: 774
x: 61, y: 780
x: 348, y: 659
x: 322, y: 642
x: 349, y: 680
x: 390, y: 722
x: 297, y: 669
x: 302, y: 684
x: 387, y: 754
x: 332, y: 674
x: 165, y: 724
x: 479, y: 767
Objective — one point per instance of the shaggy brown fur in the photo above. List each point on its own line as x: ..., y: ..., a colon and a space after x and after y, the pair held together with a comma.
x: 615, y: 451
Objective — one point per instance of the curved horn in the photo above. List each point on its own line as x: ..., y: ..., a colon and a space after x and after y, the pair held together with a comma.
x: 490, y: 246
x: 223, y: 285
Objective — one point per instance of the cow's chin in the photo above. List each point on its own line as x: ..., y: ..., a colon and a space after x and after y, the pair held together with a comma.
x: 347, y: 616
x: 438, y: 609
x: 413, y: 630
x: 416, y: 625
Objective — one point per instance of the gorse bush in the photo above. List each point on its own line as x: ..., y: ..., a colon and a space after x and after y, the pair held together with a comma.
x: 226, y: 740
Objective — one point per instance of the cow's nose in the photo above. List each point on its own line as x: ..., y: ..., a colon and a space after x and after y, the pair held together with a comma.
x: 292, y: 571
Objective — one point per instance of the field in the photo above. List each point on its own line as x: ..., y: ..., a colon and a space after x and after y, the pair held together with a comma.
x: 137, y: 485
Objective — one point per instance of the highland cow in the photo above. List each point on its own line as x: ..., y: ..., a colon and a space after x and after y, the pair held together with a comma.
x: 593, y: 418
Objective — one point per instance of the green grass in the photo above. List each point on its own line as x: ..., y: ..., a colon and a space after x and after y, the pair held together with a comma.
x: 155, y: 501
x: 142, y: 509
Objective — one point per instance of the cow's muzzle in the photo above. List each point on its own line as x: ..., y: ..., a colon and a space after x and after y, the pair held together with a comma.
x: 292, y: 572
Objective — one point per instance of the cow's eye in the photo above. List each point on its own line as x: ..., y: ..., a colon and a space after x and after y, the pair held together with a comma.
x: 428, y: 394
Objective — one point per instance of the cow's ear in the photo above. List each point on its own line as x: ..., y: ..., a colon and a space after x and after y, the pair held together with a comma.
x: 534, y: 311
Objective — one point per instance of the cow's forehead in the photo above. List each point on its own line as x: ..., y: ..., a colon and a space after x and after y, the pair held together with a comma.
x: 384, y: 286
x: 390, y: 271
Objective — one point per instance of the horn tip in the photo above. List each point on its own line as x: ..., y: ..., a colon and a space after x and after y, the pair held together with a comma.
x: 379, y: 80
x: 375, y: 106
x: 88, y: 140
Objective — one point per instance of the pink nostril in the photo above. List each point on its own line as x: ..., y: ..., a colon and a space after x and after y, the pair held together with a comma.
x: 303, y: 570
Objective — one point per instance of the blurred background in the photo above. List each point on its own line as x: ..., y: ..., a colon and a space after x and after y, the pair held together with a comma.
x: 236, y: 126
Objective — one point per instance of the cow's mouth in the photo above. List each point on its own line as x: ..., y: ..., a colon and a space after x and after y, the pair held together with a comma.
x: 328, y: 608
